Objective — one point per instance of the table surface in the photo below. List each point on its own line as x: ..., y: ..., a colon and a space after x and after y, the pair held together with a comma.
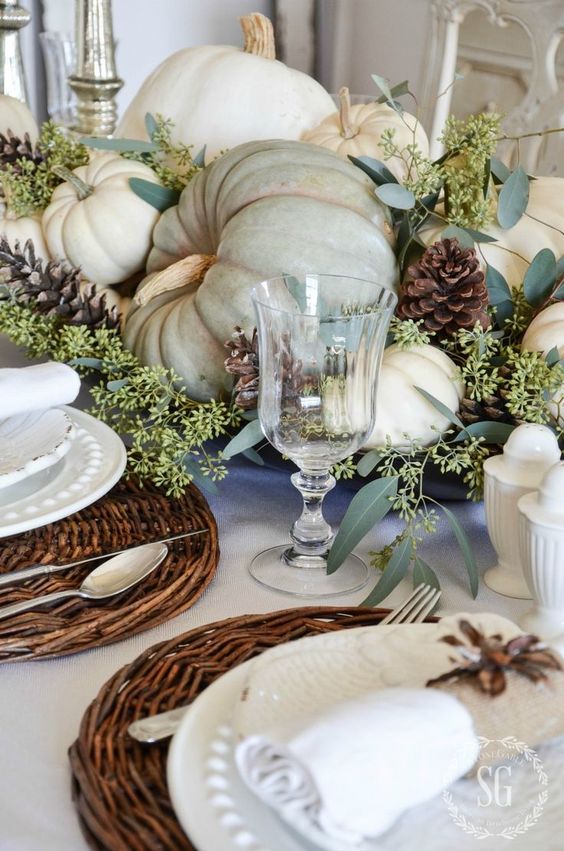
x: 41, y: 703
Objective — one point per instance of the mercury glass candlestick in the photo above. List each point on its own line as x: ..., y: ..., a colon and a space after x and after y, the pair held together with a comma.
x: 321, y: 339
x: 12, y: 18
x: 95, y: 81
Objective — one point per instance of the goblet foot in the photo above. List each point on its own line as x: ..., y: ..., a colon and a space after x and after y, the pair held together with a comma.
x: 510, y: 583
x: 281, y: 569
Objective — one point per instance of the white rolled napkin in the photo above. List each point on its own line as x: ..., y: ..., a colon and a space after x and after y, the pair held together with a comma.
x: 33, y: 388
x: 350, y: 772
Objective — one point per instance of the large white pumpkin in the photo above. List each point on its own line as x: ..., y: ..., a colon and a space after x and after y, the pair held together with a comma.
x: 401, y: 408
x: 220, y: 96
x: 97, y: 222
x: 542, y: 226
x: 15, y: 116
x: 356, y: 131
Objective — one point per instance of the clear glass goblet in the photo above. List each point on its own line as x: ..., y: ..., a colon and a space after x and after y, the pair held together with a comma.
x: 321, y: 340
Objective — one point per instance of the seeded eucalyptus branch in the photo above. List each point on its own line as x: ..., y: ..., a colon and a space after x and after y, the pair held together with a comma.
x: 165, y: 432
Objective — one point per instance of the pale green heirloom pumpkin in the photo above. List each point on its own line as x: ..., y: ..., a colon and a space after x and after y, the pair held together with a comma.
x: 262, y: 209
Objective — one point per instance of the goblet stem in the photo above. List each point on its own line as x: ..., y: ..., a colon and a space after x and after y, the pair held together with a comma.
x: 311, y: 534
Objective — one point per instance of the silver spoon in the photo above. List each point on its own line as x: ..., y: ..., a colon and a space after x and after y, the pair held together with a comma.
x: 110, y: 578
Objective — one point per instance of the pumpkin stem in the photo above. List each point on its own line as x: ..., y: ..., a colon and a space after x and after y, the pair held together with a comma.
x: 83, y: 189
x: 348, y: 129
x: 189, y: 270
x: 259, y: 35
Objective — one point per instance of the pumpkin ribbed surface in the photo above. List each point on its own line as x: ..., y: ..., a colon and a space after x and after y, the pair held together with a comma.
x: 263, y: 209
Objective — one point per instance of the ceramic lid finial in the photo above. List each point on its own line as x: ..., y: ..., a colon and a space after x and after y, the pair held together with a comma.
x: 531, y: 444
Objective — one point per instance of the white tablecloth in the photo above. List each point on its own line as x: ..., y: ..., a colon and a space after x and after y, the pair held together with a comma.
x: 41, y: 703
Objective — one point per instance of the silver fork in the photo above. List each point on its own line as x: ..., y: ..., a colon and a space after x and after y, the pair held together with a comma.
x: 414, y: 609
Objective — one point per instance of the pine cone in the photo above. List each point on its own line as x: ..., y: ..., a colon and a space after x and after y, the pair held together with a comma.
x: 54, y: 288
x: 448, y: 290
x: 243, y: 362
x: 13, y: 149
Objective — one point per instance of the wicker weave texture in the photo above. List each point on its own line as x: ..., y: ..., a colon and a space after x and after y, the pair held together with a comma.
x: 119, y: 786
x: 127, y: 516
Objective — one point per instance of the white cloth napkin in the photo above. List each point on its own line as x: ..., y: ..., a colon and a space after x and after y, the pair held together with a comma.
x: 353, y: 770
x: 33, y: 388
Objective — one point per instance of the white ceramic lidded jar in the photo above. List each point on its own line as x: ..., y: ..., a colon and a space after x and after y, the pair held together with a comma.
x: 541, y: 532
x: 529, y: 452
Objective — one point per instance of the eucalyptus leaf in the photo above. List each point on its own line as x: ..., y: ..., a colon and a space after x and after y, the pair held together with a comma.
x: 160, y: 197
x: 249, y: 436
x: 499, y: 169
x: 368, y: 507
x: 478, y: 236
x: 440, y: 407
x: 430, y: 202
x: 487, y: 177
x: 93, y: 363
x: 375, y: 169
x: 396, y: 91
x: 465, y: 548
x: 203, y: 482
x: 504, y: 311
x: 368, y: 462
x: 461, y: 234
x: 383, y: 85
x: 113, y: 386
x: 200, y: 158
x: 513, y: 198
x: 393, y: 573
x: 540, y: 277
x: 252, y: 455
x: 424, y: 573
x: 396, y: 196
x: 498, y: 288
x: 125, y: 146
x: 250, y: 415
x: 552, y: 357
x: 492, y: 432
x: 151, y: 125
x: 404, y: 239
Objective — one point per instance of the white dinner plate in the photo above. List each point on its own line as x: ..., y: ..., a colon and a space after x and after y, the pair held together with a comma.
x: 93, y: 464
x: 32, y: 442
x: 214, y: 806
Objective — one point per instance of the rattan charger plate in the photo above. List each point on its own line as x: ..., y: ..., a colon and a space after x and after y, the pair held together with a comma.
x: 127, y: 516
x: 118, y: 785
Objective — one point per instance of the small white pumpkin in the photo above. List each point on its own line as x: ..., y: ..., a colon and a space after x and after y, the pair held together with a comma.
x: 16, y: 116
x: 356, y: 131
x: 22, y: 229
x: 97, y: 222
x: 546, y: 331
x: 220, y: 96
x: 401, y: 408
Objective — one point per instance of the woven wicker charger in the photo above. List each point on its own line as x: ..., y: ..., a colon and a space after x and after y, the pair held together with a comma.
x: 128, y: 515
x: 118, y: 785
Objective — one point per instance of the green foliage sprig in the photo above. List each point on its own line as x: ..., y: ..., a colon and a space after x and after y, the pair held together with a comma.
x: 27, y: 186
x: 166, y: 433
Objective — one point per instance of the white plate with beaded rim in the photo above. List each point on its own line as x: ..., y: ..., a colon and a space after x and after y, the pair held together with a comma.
x: 212, y: 803
x: 93, y: 464
x: 32, y: 442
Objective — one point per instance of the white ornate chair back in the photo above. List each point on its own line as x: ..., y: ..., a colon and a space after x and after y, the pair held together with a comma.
x: 542, y: 108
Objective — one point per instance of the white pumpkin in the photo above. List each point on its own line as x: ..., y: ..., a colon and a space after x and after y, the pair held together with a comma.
x: 22, y: 229
x: 401, y: 408
x: 546, y: 331
x: 97, y: 222
x: 15, y: 116
x: 222, y: 96
x: 542, y: 226
x: 356, y: 131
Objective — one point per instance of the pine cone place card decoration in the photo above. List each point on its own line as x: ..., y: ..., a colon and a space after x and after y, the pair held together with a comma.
x: 511, y: 688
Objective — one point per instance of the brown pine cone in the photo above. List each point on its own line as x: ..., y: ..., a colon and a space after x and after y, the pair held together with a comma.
x: 243, y: 362
x: 13, y: 149
x: 448, y: 290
